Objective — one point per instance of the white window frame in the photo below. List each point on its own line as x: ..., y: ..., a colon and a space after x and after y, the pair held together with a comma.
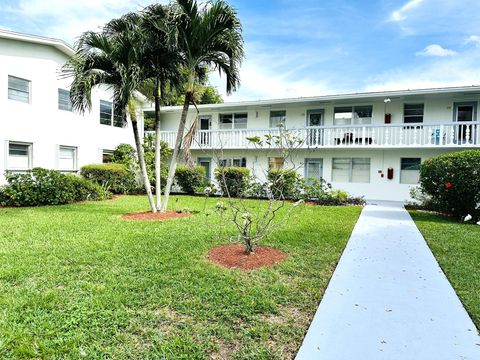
x: 68, y: 106
x: 29, y: 155
x: 229, y: 162
x: 352, y: 120
x: 29, y: 89
x: 75, y: 158
x: 282, y: 121
x: 233, y: 124
x: 106, y: 152
x: 113, y: 116
x: 351, y: 169
x: 402, y: 174
x: 412, y: 116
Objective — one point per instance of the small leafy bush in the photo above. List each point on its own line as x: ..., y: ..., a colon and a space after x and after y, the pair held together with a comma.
x: 284, y: 183
x: 47, y: 187
x: 115, y: 178
x: 452, y: 182
x: 87, y: 190
x: 233, y: 181
x: 190, y: 179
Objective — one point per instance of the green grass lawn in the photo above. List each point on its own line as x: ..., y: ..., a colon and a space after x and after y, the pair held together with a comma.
x: 456, y: 247
x: 77, y: 281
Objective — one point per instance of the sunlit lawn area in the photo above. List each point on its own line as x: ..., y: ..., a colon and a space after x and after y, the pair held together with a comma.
x: 79, y: 282
x: 456, y: 247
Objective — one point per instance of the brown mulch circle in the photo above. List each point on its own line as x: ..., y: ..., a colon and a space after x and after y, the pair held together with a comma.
x: 158, y: 216
x: 233, y: 256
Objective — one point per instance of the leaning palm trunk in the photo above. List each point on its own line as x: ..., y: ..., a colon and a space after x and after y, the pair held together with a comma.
x: 158, y: 182
x: 141, y: 160
x: 176, y: 150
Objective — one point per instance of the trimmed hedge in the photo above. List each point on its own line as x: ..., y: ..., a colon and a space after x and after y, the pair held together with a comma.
x: 115, y: 178
x: 190, y: 179
x: 284, y: 183
x: 233, y: 181
x: 47, y: 187
x: 453, y: 182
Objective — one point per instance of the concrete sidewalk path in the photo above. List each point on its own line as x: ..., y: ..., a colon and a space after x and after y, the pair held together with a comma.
x: 389, y: 299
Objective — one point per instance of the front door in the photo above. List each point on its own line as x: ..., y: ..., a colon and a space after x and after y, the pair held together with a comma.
x: 207, y: 164
x: 464, y: 113
x: 205, y: 125
x: 313, y: 170
x: 315, y: 118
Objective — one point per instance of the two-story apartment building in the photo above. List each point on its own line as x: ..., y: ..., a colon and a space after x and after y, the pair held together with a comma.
x: 369, y: 144
x: 37, y: 125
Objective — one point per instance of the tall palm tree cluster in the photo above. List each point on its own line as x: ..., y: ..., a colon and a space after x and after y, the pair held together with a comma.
x: 162, y: 47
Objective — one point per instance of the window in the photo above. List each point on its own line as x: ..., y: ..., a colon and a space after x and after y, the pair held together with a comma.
x: 410, y: 170
x: 235, y: 162
x: 19, y: 156
x: 64, y: 102
x: 313, y: 169
x: 107, y: 156
x: 233, y: 121
x: 106, y: 108
x: 353, y: 170
x: 277, y: 118
x: 111, y: 116
x: 67, y: 158
x: 18, y: 89
x: 353, y: 115
x: 413, y: 113
x: 276, y: 163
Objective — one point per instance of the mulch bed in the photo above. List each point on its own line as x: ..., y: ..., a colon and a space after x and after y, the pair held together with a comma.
x: 158, y: 216
x: 233, y: 256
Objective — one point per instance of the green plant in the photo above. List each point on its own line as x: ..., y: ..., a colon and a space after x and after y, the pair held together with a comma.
x: 47, y: 187
x: 190, y: 179
x: 87, y: 190
x: 284, y: 183
x: 233, y: 181
x: 453, y: 182
x: 165, y: 154
x: 125, y: 154
x: 115, y: 178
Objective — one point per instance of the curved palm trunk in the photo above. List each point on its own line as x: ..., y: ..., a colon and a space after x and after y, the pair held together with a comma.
x: 176, y: 150
x: 158, y: 183
x: 143, y: 167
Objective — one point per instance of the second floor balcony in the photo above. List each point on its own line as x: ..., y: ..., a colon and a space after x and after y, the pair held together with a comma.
x: 447, y: 135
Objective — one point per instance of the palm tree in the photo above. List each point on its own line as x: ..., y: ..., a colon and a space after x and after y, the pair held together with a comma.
x: 209, y: 38
x: 111, y: 58
x: 161, y: 63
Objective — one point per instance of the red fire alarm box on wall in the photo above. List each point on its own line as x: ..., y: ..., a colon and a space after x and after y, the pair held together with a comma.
x: 388, y: 118
x: 390, y: 173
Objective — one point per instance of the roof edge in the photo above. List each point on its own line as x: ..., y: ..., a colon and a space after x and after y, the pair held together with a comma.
x: 42, y: 40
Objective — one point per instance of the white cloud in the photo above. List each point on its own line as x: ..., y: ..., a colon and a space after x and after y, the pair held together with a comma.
x: 401, y: 13
x: 438, y: 72
x: 473, y: 39
x: 436, y: 50
x: 68, y: 19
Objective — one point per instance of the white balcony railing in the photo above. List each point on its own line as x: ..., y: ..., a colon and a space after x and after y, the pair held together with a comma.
x: 453, y: 134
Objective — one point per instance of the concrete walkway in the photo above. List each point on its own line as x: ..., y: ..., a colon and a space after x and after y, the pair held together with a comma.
x: 389, y: 299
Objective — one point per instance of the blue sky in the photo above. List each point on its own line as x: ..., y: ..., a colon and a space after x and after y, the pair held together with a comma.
x: 306, y: 47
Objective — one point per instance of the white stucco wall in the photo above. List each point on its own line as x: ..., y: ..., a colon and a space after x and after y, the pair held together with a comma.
x: 40, y: 122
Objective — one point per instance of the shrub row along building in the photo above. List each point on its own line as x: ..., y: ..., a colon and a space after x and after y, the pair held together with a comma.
x: 369, y: 144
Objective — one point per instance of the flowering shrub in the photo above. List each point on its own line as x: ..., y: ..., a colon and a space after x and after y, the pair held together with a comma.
x: 452, y: 181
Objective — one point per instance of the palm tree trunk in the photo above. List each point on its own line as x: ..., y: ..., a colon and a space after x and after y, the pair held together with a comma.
x: 176, y: 150
x: 143, y: 167
x: 158, y: 183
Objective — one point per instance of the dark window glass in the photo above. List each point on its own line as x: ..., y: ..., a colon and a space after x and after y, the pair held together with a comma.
x: 18, y: 149
x: 106, y: 108
x: 410, y: 163
x: 64, y: 102
x: 413, y: 113
x: 119, y: 118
